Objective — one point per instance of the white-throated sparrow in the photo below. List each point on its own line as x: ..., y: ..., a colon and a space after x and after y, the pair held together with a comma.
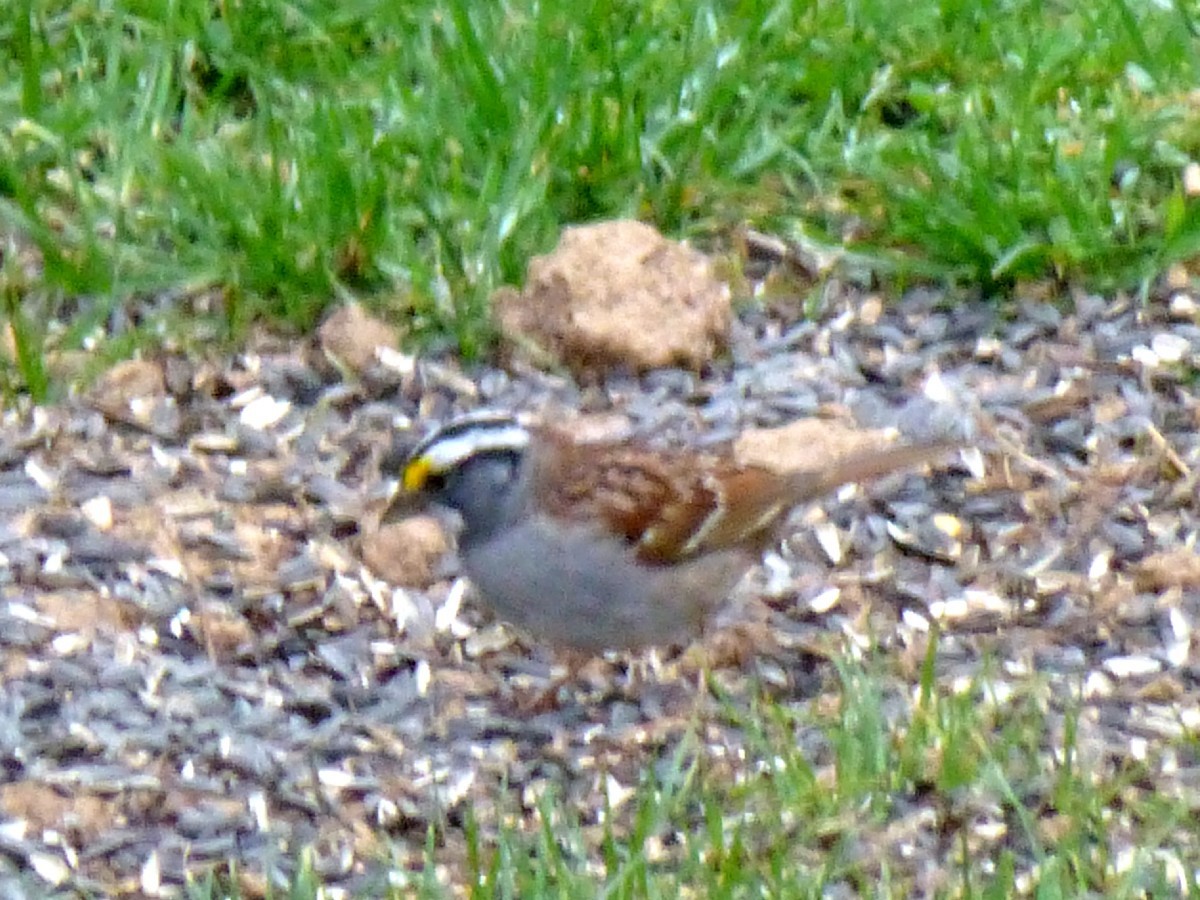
x: 607, y: 546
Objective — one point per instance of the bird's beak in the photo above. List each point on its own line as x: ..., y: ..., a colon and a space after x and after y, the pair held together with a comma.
x: 402, y: 504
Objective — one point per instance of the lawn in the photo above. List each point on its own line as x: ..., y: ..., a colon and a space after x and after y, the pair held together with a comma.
x: 163, y: 162
x: 176, y: 173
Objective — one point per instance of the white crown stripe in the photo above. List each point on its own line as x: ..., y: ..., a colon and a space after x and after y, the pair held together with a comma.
x: 448, y: 451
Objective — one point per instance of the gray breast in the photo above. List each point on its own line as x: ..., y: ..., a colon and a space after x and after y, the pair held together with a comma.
x: 576, y: 587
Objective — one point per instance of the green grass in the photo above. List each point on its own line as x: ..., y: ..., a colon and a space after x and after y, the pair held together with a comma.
x: 871, y: 790
x: 176, y: 169
x: 786, y: 825
x: 261, y: 161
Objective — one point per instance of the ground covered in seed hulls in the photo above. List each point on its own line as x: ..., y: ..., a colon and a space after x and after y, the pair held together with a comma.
x: 981, y: 676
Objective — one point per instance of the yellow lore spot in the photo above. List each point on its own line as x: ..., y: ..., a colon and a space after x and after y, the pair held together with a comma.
x: 416, y: 474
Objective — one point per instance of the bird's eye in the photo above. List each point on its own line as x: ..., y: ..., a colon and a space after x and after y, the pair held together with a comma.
x: 434, y: 483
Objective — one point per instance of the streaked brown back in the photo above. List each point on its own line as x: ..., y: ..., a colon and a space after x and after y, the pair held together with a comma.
x: 673, y: 505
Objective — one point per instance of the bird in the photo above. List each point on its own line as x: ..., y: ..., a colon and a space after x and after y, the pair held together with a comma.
x: 620, y: 544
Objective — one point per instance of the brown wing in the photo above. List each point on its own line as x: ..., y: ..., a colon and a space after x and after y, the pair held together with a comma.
x: 670, y: 505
